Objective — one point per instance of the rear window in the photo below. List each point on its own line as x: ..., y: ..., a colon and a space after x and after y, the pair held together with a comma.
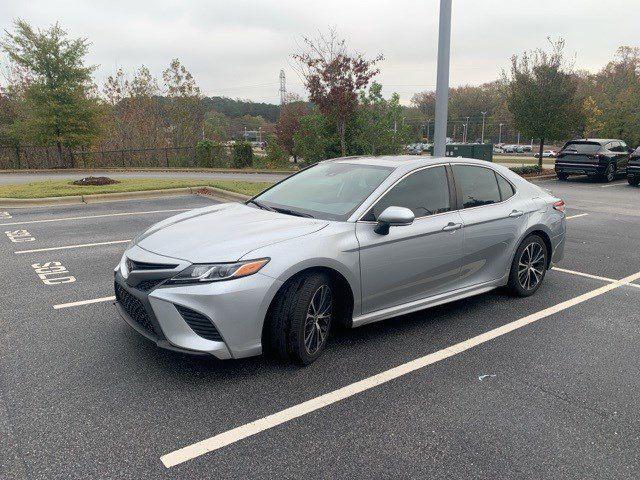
x: 636, y: 152
x: 582, y: 148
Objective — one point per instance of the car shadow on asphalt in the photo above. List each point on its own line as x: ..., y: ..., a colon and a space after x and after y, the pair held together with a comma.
x: 344, y: 346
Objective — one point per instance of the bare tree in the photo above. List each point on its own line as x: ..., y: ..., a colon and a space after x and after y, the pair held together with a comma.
x: 334, y: 77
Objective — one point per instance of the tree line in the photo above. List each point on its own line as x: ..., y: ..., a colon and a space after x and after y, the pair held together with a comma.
x: 51, y: 99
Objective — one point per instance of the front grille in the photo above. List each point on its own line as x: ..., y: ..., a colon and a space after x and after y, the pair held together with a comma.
x: 134, y: 308
x: 133, y: 265
x: 199, y: 323
x: 149, y: 284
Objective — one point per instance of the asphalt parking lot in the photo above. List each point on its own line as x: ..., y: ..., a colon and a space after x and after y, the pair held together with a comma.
x: 541, y: 387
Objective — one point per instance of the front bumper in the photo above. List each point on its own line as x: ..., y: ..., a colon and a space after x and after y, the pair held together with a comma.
x: 236, y: 308
x: 633, y: 171
x: 581, y: 168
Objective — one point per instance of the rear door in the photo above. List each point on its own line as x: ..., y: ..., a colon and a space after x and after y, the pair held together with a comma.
x: 494, y: 216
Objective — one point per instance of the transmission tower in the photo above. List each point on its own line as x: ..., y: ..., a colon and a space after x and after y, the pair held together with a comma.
x: 283, y: 88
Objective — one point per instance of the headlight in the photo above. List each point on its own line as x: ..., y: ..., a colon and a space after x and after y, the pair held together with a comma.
x: 216, y: 272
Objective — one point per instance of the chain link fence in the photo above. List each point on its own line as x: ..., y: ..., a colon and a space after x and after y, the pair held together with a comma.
x: 34, y: 157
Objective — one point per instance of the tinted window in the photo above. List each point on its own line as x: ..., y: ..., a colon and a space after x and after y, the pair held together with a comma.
x: 328, y: 190
x: 478, y: 185
x: 614, y: 146
x: 425, y: 193
x: 582, y: 148
x: 506, y: 190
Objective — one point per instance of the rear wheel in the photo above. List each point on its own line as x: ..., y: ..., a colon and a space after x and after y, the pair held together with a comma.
x: 529, y: 267
x: 301, y: 318
x: 609, y: 174
x: 562, y: 176
x: 634, y: 181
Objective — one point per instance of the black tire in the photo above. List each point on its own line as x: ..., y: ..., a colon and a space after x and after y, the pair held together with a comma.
x: 610, y: 174
x: 289, y: 319
x: 517, y: 285
x: 562, y: 176
x: 634, y: 181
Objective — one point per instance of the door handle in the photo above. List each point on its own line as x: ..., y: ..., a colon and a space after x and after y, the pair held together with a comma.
x: 516, y: 214
x: 452, y: 227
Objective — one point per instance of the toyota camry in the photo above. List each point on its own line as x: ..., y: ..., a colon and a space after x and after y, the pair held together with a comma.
x: 347, y: 241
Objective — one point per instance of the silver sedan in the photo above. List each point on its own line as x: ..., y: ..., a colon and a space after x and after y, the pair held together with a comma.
x: 349, y: 241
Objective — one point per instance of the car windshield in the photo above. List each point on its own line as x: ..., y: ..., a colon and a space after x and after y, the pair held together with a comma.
x: 328, y: 190
x: 582, y: 148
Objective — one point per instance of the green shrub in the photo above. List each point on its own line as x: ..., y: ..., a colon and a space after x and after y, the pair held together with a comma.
x: 220, y: 156
x: 242, y: 156
x: 204, y: 149
x: 526, y: 169
x: 275, y: 159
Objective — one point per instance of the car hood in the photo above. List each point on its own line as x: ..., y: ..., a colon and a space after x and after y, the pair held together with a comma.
x: 223, y: 233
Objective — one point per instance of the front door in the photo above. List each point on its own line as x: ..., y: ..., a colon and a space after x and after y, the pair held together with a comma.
x: 415, y: 261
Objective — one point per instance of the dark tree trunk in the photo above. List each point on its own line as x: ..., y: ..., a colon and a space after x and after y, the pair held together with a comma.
x: 59, y: 147
x: 540, y: 153
x: 342, y: 127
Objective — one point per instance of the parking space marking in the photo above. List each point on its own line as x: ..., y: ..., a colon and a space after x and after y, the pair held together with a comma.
x: 5, y: 215
x: 613, y: 185
x: 576, y: 216
x: 67, y: 247
x: 83, y: 302
x: 236, y: 434
x: 20, y: 236
x: 121, y: 214
x: 50, y: 273
x: 588, y: 275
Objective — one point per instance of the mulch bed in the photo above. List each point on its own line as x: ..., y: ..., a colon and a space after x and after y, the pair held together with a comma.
x: 95, y: 181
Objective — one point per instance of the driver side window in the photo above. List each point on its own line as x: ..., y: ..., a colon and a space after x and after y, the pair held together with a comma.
x: 425, y: 192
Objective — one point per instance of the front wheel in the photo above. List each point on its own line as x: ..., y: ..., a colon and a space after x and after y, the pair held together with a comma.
x: 301, y: 318
x: 634, y: 181
x: 529, y: 267
x: 562, y: 176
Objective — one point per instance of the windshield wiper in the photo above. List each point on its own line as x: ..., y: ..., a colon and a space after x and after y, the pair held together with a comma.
x: 293, y: 212
x: 261, y: 205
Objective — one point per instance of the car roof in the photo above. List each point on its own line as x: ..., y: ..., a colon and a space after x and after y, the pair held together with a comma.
x: 601, y: 141
x: 404, y: 162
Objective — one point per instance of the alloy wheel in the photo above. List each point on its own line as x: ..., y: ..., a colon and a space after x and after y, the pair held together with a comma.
x: 531, y: 266
x: 318, y: 321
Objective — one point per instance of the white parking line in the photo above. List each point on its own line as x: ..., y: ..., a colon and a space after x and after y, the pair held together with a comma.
x: 67, y: 247
x: 122, y: 214
x: 576, y: 216
x: 587, y: 275
x: 83, y: 302
x: 236, y: 434
x: 613, y: 185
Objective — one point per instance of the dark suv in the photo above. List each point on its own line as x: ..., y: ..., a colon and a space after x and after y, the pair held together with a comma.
x: 594, y: 157
x: 633, y: 168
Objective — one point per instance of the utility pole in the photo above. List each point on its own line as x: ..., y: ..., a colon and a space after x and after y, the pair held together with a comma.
x: 466, y: 129
x: 428, y: 123
x: 442, y: 83
x: 484, y: 114
x: 518, y: 138
x: 283, y: 88
x: 500, y: 134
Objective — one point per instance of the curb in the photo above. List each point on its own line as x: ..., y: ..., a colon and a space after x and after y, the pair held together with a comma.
x: 540, y: 177
x: 216, y: 193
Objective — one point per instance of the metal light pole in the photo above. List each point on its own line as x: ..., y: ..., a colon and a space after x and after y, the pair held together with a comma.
x: 442, y: 83
x: 466, y: 130
x: 500, y: 134
x: 484, y: 114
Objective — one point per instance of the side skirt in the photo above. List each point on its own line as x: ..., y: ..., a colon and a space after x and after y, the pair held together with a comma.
x: 429, y: 302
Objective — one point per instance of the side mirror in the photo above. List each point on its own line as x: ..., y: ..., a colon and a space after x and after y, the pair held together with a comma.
x: 393, y: 217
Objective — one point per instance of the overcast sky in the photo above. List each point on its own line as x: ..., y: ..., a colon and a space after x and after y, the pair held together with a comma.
x: 237, y: 48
